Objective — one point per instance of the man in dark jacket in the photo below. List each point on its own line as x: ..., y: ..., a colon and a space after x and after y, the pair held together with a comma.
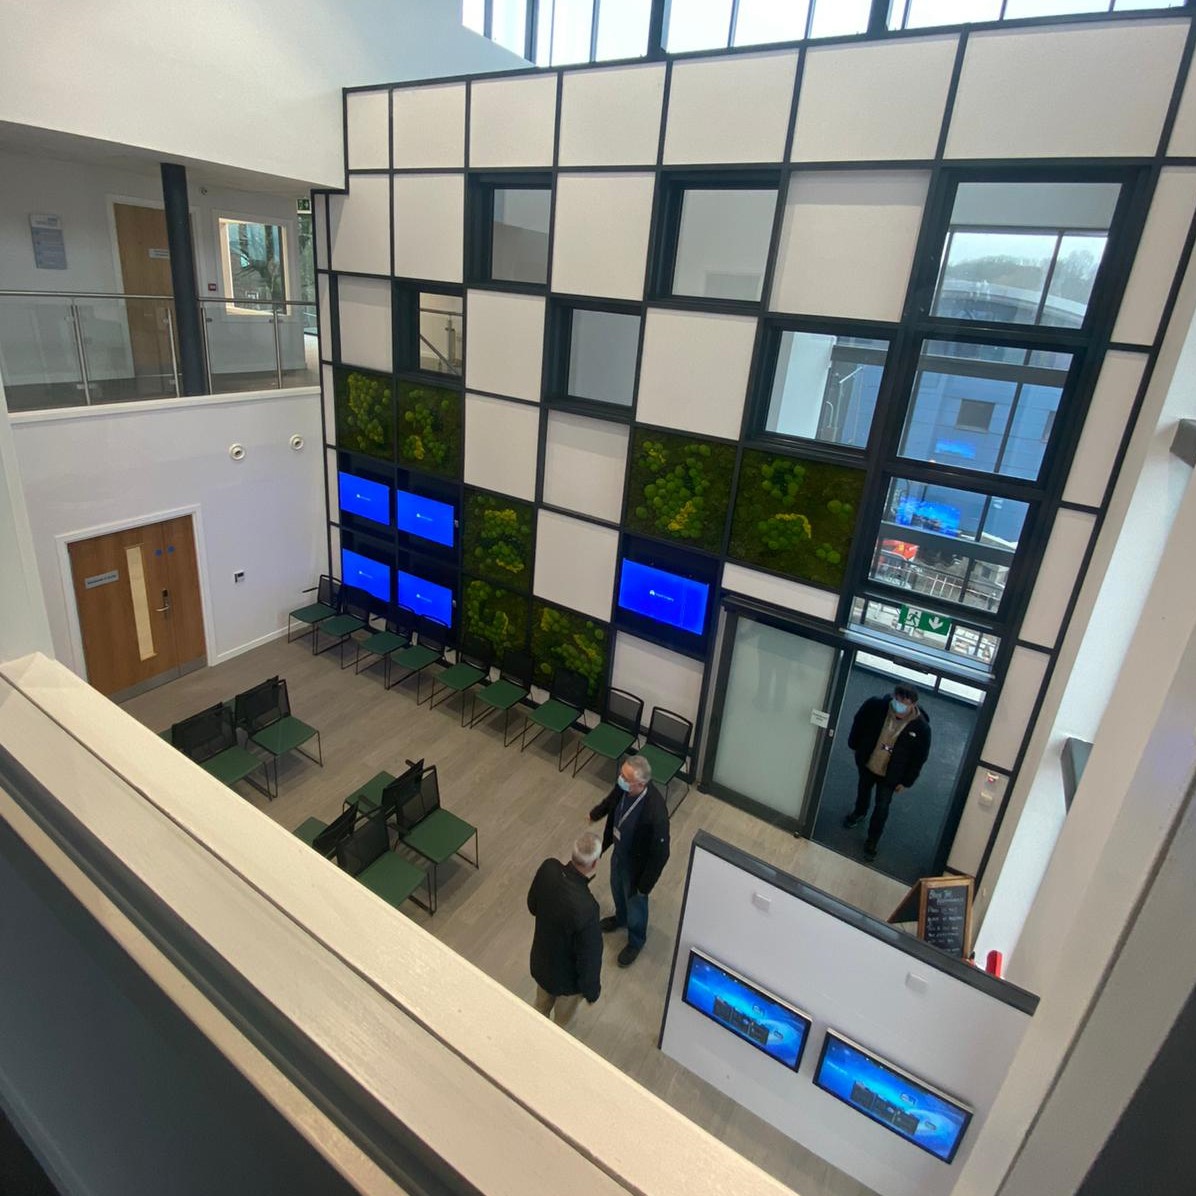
x: 637, y: 824
x: 890, y: 736
x: 567, y: 944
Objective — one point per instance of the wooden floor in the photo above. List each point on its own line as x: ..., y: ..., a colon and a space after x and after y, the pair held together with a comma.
x: 525, y: 811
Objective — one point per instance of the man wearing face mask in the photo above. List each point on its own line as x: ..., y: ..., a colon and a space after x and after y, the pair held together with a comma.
x: 890, y: 736
x: 637, y: 825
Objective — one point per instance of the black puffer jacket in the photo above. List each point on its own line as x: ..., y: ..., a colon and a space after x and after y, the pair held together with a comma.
x: 910, y: 750
x: 567, y: 944
x: 648, y: 851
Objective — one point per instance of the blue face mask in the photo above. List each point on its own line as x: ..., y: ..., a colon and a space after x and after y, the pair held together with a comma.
x: 899, y: 708
x: 623, y: 783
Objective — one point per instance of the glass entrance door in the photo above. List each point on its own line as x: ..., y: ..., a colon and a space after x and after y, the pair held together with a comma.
x: 770, y: 717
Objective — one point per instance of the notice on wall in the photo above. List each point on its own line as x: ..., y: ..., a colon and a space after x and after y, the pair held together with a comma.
x: 160, y: 255
x: 49, y: 242
x: 101, y: 579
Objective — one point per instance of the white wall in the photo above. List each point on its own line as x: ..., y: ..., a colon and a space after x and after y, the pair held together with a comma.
x: 254, y: 84
x: 941, y: 1030
x: 86, y: 470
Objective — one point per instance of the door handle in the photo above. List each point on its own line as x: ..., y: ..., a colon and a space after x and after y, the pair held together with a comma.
x: 165, y: 608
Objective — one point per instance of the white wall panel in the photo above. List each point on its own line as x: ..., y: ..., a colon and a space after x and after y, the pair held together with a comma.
x: 360, y: 225
x: 1104, y: 427
x: 504, y: 343
x: 1090, y: 90
x: 501, y: 445
x: 319, y: 222
x: 585, y: 460
x: 1056, y: 577
x: 1019, y: 694
x: 780, y: 591
x: 366, y: 337
x: 512, y: 122
x: 329, y: 399
x: 847, y: 244
x: 658, y: 675
x: 324, y: 299
x: 1154, y: 265
x: 601, y: 241
x: 429, y: 126
x: 367, y: 114
x: 694, y: 371
x: 575, y: 563
x: 873, y: 102
x: 733, y: 109
x: 612, y: 117
x: 429, y: 225
x: 976, y: 822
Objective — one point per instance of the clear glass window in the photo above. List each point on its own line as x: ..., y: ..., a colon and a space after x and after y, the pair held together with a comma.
x: 697, y: 25
x: 519, y: 251
x: 1024, y: 253
x: 509, y: 25
x: 623, y: 29
x: 759, y: 22
x: 722, y: 246
x: 602, y: 353
x: 885, y: 618
x: 987, y: 410
x: 563, y: 29
x: 441, y: 344
x: 947, y: 544
x: 838, y: 18
x: 253, y: 266
x: 825, y: 387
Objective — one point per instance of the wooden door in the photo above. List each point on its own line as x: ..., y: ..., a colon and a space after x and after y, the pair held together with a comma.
x: 137, y: 594
x: 145, y: 270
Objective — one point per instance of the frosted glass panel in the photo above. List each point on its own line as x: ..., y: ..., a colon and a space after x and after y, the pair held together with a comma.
x: 767, y: 743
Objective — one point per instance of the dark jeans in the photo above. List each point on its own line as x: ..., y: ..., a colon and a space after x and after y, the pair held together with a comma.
x: 863, y: 796
x: 631, y: 907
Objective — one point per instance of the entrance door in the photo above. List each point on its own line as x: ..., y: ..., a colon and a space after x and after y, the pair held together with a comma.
x: 137, y: 593
x: 768, y: 726
x: 145, y: 270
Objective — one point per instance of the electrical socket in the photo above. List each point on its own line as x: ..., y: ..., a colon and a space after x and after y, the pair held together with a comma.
x: 239, y: 575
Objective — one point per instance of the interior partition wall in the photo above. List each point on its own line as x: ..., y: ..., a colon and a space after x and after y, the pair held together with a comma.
x: 854, y: 330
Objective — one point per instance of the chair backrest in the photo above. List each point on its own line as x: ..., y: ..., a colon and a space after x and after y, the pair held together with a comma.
x: 433, y: 634
x: 403, y: 622
x: 570, y: 687
x: 341, y: 827
x: 328, y: 591
x: 205, y: 734
x: 260, y: 706
x: 476, y: 651
x: 623, y: 710
x: 401, y: 788
x: 670, y: 732
x: 366, y: 844
x: 356, y: 602
x: 518, y: 668
x: 419, y: 803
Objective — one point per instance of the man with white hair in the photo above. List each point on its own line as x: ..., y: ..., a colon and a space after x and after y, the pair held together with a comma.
x: 637, y: 825
x: 567, y: 944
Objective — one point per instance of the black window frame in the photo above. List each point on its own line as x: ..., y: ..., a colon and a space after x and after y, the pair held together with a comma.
x: 557, y: 360
x: 479, y: 252
x: 406, y: 330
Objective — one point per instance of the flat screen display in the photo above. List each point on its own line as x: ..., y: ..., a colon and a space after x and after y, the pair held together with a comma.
x: 770, y: 1025
x: 369, y: 575
x: 665, y: 597
x: 887, y: 1095
x: 419, y: 516
x: 369, y: 500
x: 426, y: 598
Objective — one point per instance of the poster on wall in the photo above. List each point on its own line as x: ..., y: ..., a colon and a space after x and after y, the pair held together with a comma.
x: 49, y: 243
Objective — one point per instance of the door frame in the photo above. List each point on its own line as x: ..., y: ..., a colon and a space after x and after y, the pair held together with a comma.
x: 139, y: 201
x: 64, y: 540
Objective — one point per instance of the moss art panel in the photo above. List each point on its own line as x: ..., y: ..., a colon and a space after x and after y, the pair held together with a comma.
x: 679, y: 488
x: 365, y: 417
x: 563, y: 639
x: 430, y: 429
x: 495, y: 615
x: 497, y: 539
x: 796, y: 517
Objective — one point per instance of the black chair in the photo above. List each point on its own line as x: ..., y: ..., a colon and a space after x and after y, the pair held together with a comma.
x: 434, y: 832
x: 327, y: 592
x: 210, y: 739
x: 264, y: 714
x: 513, y: 688
x: 381, y: 645
x: 323, y: 836
x: 384, y: 790
x: 563, y: 708
x: 432, y: 639
x: 666, y: 748
x: 366, y: 854
x: 352, y: 615
x: 474, y: 658
x: 617, y: 731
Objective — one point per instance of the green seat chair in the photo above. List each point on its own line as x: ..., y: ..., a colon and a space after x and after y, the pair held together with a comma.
x: 513, y: 688
x: 352, y: 616
x: 264, y: 714
x: 563, y: 708
x: 666, y: 748
x: 617, y: 731
x: 435, y: 833
x: 383, y: 644
x: 384, y: 790
x: 327, y: 602
x: 472, y: 668
x: 428, y: 650
x: 366, y: 854
x: 210, y: 739
x: 324, y: 836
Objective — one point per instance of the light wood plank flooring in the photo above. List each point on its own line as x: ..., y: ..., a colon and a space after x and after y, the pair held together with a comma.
x: 525, y: 810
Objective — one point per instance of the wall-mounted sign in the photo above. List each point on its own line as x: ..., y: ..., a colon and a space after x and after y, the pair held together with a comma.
x: 914, y: 618
x: 820, y: 718
x: 49, y: 243
x: 101, y: 579
x: 160, y: 255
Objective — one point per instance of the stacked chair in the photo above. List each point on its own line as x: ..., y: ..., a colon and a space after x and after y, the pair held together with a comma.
x: 210, y: 739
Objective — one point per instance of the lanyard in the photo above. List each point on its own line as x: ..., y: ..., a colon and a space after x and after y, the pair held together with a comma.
x: 628, y: 812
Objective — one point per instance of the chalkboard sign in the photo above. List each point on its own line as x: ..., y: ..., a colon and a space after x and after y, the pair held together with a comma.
x: 943, y: 908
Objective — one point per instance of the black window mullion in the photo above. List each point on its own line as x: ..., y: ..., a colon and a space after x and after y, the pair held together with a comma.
x: 734, y: 23
x: 1050, y: 276
x: 488, y: 19
x: 1013, y: 406
x: 594, y: 19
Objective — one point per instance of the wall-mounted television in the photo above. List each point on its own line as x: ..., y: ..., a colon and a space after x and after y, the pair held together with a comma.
x: 364, y: 498
x: 756, y: 1016
x: 427, y: 518
x: 426, y: 597
x: 891, y: 1097
x: 664, y: 597
x: 366, y: 573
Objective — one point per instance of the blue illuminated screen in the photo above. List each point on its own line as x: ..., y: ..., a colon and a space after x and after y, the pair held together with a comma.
x: 425, y: 517
x: 370, y: 500
x: 753, y: 1015
x: 934, y: 516
x: 426, y: 598
x: 369, y: 575
x: 897, y: 1101
x: 665, y: 597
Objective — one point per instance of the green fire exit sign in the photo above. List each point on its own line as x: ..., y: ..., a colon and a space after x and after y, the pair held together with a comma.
x: 914, y: 618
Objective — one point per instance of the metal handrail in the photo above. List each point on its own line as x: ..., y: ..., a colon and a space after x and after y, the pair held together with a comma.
x: 122, y: 295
